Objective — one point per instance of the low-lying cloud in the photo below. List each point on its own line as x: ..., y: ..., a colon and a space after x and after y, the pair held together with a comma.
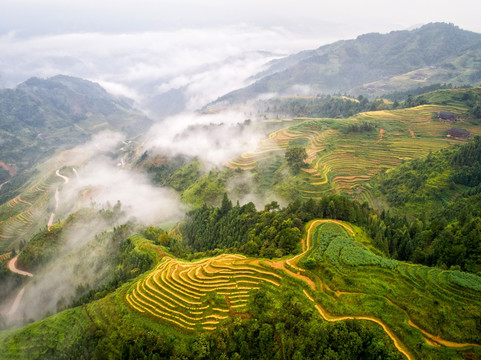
x: 205, y: 63
x: 90, y: 177
x: 214, y: 138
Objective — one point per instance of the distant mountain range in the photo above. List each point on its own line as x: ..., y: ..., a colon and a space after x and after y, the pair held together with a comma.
x: 373, y: 64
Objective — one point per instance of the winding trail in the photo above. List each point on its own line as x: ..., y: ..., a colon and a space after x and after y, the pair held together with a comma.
x: 16, y: 302
x: 328, y: 317
x: 65, y: 179
x: 12, y: 266
x: 287, y: 265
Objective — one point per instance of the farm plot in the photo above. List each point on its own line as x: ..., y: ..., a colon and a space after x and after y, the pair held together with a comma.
x: 199, y: 295
x: 340, y: 162
x: 427, y: 312
x: 25, y: 213
x: 441, y: 305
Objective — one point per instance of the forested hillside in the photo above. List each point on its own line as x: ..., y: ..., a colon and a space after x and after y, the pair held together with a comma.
x: 441, y: 195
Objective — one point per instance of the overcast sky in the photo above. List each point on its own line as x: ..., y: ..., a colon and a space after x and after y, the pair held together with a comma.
x: 40, y: 17
x: 133, y: 47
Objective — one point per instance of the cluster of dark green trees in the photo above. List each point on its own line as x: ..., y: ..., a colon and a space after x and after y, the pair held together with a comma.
x: 295, y: 157
x: 322, y: 106
x: 447, y: 233
x: 448, y: 238
x: 358, y: 127
x: 268, y: 233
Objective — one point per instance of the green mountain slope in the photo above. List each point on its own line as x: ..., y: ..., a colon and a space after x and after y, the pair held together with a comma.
x: 344, y: 154
x: 442, y: 194
x: 374, y: 64
x: 42, y: 116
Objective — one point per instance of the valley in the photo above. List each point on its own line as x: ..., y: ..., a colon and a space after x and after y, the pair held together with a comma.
x: 330, y: 209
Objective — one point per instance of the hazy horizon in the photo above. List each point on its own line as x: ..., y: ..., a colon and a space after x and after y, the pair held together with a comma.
x: 147, y: 48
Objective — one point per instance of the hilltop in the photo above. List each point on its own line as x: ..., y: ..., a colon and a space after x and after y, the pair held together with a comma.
x: 40, y: 116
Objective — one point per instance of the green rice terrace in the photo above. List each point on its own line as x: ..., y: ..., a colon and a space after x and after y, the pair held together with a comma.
x: 427, y: 312
x: 28, y: 212
x: 342, y: 157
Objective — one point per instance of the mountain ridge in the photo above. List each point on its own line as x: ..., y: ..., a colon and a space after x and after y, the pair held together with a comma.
x: 349, y: 65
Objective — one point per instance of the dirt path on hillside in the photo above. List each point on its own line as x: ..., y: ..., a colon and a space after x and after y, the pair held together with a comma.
x: 16, y: 303
x: 65, y: 179
x: 331, y: 318
x: 430, y: 339
x: 292, y: 262
x: 57, y: 197
x: 12, y: 266
x: 52, y: 215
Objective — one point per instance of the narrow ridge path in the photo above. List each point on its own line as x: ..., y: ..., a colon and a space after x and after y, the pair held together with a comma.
x: 430, y: 339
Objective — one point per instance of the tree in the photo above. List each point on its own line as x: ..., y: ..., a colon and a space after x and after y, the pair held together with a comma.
x: 226, y: 205
x: 295, y: 157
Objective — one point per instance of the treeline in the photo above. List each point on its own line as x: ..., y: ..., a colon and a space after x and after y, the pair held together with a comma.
x: 444, y: 240
x: 268, y: 233
x: 321, y: 106
x: 448, y: 238
x: 467, y: 163
x: 272, y: 232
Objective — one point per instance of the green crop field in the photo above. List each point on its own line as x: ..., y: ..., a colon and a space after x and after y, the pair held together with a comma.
x: 340, y: 162
x: 199, y: 295
x: 427, y: 312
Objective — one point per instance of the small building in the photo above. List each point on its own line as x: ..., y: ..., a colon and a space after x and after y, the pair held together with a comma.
x: 459, y: 133
x: 447, y: 116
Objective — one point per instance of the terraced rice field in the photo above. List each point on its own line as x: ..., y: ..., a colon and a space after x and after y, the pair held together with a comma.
x: 202, y: 294
x: 5, y: 256
x: 199, y: 296
x: 26, y: 213
x: 344, y: 163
